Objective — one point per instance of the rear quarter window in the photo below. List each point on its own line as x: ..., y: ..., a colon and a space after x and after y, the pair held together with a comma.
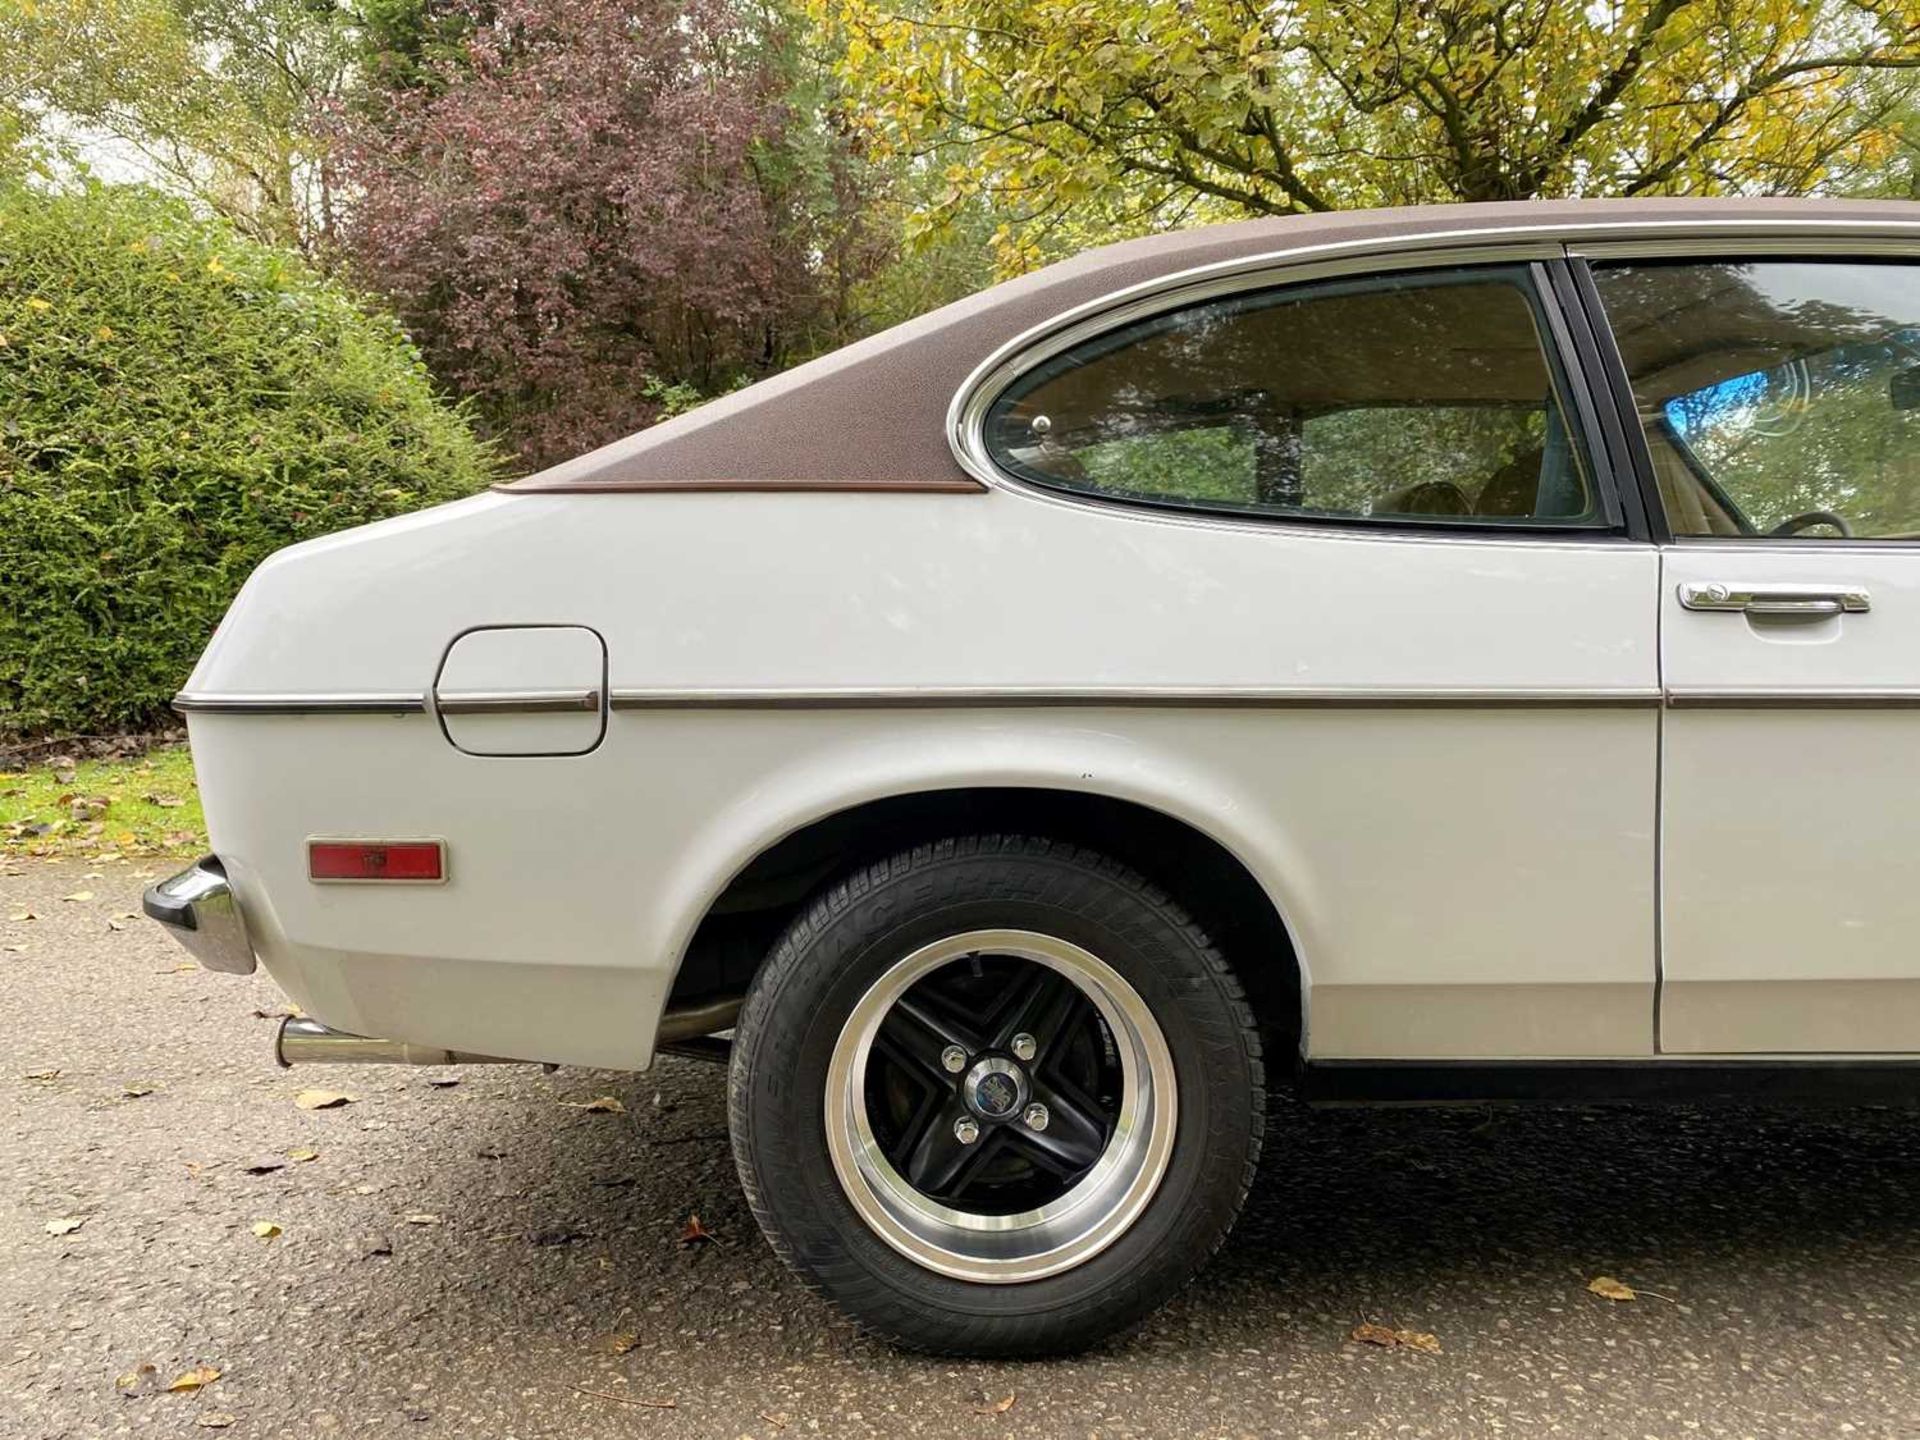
x: 1426, y: 396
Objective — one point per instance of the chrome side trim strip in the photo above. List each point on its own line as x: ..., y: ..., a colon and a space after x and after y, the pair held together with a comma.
x: 986, y: 698
x: 1894, y: 699
x: 1164, y: 698
x: 389, y: 703
x: 515, y: 702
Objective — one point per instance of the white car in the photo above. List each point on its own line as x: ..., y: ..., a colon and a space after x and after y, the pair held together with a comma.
x: 1446, y: 654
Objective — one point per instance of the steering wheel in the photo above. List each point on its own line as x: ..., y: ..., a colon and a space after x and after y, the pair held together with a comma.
x: 1808, y: 519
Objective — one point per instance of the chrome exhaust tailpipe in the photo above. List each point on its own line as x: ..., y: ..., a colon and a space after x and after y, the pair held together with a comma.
x: 690, y: 1021
x: 307, y: 1042
x: 301, y: 1041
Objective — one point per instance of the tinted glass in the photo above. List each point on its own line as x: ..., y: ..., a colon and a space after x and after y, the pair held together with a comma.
x: 1414, y: 397
x: 1779, y: 398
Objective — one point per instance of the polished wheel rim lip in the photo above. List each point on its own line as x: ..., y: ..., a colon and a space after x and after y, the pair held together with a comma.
x: 1068, y: 1230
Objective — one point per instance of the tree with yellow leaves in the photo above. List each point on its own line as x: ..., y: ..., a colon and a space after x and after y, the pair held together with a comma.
x: 1094, y: 118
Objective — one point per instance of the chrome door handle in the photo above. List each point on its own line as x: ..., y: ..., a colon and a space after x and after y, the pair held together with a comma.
x: 1776, y: 599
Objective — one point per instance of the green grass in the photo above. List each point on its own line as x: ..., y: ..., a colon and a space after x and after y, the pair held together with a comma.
x: 148, y: 805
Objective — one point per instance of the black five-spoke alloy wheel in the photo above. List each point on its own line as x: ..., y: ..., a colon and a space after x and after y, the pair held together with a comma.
x: 997, y: 1095
x: 1000, y: 1105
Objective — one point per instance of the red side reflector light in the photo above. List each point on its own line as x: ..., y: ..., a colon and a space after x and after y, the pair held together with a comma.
x: 376, y: 860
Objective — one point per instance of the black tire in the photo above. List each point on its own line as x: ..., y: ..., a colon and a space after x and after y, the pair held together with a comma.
x: 861, y: 927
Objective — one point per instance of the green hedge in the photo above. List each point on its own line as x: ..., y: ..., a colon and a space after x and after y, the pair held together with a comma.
x: 175, y: 404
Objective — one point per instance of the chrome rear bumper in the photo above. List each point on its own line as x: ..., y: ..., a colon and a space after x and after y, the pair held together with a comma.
x: 198, y: 907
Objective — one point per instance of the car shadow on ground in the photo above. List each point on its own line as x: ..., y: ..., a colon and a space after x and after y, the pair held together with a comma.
x: 1400, y: 1212
x: 1407, y: 1216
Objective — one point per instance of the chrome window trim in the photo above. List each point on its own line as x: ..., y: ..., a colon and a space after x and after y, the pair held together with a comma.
x: 1868, y: 244
x: 1748, y: 545
x: 966, y: 413
x: 1556, y: 354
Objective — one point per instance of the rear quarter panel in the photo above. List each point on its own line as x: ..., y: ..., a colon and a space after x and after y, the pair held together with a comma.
x: 1436, y: 754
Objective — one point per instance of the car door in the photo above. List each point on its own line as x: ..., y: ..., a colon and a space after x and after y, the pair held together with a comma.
x: 1779, y: 397
x: 1379, y: 517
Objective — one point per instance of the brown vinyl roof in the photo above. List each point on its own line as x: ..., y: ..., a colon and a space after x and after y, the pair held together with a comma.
x: 872, y: 416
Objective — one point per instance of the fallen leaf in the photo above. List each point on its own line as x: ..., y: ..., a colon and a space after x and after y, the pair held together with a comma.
x: 266, y: 1229
x: 321, y: 1100
x: 216, y: 1420
x: 1391, y: 1339
x: 622, y: 1343
x: 265, y: 1165
x: 140, y: 1380
x: 165, y: 802
x: 694, y: 1233
x: 1609, y: 1288
x: 997, y: 1407
x: 194, y: 1379
x: 180, y: 969
x: 443, y: 1082
x: 78, y: 897
x: 605, y: 1105
x: 376, y: 1245
x: 41, y: 1075
x: 23, y: 915
x: 134, y: 1089
x: 66, y: 1224
x: 302, y: 1155
x: 15, y: 949
x: 423, y: 1217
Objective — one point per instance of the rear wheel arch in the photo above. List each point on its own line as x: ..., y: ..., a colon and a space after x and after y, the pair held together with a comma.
x: 1207, y: 878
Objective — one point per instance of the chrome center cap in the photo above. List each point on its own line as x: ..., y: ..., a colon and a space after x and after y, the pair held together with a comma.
x: 995, y: 1089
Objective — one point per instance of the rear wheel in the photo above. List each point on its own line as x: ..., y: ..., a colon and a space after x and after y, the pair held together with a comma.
x: 996, y: 1095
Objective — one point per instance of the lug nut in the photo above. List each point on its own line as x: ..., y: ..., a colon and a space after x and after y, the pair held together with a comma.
x: 1035, y: 1115
x: 1024, y: 1047
x: 954, y: 1059
x: 965, y: 1130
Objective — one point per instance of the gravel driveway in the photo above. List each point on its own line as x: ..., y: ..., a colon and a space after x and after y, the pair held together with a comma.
x: 492, y: 1258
